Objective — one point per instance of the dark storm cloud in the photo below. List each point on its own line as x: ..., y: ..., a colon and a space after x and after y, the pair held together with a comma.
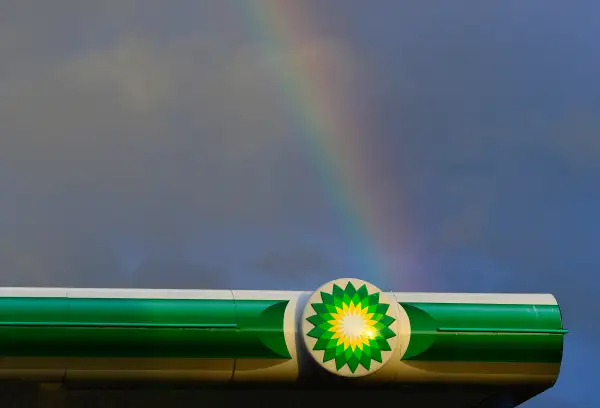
x: 493, y: 113
x: 151, y: 145
x: 490, y: 114
x: 299, y: 268
x: 161, y: 274
x: 132, y: 136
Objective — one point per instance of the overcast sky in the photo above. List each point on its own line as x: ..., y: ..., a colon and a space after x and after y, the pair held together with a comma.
x: 146, y: 143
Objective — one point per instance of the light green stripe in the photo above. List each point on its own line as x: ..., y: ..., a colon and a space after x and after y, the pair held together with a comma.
x: 125, y: 325
x: 501, y: 330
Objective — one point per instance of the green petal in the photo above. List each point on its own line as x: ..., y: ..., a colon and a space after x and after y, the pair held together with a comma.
x: 362, y: 292
x: 365, y: 360
x: 387, y: 320
x: 372, y: 309
x: 332, y: 343
x: 356, y: 300
x: 383, y: 308
x: 329, y: 354
x: 348, y: 353
x: 378, y: 326
x: 377, y: 316
x: 387, y: 333
x: 384, y: 345
x: 353, y: 362
x: 331, y: 308
x: 350, y: 290
x: 325, y: 326
x: 320, y: 308
x: 340, y: 361
x: 327, y: 298
x: 321, y: 344
x: 327, y: 317
x: 338, y: 295
x: 376, y: 355
x: 315, y: 320
x: 316, y: 332
x: 327, y: 335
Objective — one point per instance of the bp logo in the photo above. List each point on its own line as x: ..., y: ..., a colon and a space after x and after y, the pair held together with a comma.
x: 351, y: 327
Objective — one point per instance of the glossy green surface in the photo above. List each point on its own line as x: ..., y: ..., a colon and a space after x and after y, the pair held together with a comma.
x: 260, y: 329
x: 55, y: 327
x: 484, y: 332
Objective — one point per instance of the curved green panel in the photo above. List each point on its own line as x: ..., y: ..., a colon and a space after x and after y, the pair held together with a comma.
x: 194, y: 328
x: 261, y: 331
x: 484, y: 332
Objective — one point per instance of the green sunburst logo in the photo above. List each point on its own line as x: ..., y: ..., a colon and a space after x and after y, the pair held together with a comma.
x: 351, y: 326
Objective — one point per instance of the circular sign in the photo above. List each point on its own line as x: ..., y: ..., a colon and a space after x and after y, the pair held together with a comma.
x: 351, y: 327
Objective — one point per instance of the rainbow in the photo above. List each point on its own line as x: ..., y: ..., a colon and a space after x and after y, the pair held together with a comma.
x: 337, y: 135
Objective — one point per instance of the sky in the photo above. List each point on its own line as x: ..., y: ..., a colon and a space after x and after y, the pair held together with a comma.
x: 423, y: 146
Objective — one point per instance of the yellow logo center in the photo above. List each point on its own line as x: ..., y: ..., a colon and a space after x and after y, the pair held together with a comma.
x: 352, y: 326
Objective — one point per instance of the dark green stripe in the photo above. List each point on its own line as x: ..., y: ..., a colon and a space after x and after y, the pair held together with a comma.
x: 484, y: 332
x: 194, y: 328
